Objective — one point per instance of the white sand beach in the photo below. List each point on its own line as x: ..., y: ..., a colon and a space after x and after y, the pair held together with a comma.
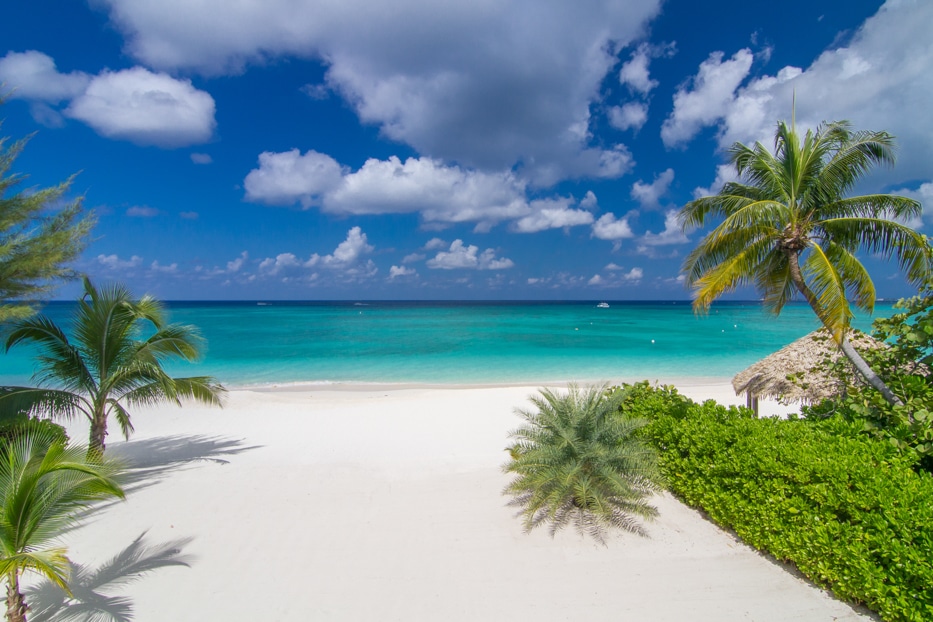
x: 384, y: 503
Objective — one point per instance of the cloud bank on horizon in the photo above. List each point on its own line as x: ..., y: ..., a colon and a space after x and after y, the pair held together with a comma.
x: 520, y: 128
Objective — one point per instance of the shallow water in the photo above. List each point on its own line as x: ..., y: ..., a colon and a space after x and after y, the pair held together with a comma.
x: 474, y: 343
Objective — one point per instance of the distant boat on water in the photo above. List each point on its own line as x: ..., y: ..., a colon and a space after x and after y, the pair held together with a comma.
x: 603, y: 305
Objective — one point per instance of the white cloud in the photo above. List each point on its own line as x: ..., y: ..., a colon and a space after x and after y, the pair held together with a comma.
x: 649, y: 195
x: 281, y: 262
x: 440, y: 193
x: 923, y: 194
x: 289, y: 177
x: 672, y: 234
x: 201, y: 158
x: 632, y: 115
x: 32, y: 75
x: 401, y: 271
x: 442, y: 81
x: 878, y: 80
x: 236, y: 264
x: 461, y: 256
x: 142, y: 211
x: 434, y: 244
x: 613, y: 267
x: 113, y: 262
x: 608, y: 227
x: 552, y: 214
x: 145, y: 108
x: 724, y: 174
x: 350, y: 250
x: 635, y: 74
x: 589, y: 200
x: 169, y: 269
x: 705, y: 103
x: 413, y: 257
x: 596, y: 280
x: 635, y: 274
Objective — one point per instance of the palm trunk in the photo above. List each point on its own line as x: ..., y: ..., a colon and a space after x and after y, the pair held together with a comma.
x: 15, y: 602
x: 96, y: 444
x: 850, y: 353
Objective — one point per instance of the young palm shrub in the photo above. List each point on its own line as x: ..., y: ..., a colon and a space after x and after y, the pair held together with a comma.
x: 44, y: 486
x: 107, y: 366
x: 577, y: 460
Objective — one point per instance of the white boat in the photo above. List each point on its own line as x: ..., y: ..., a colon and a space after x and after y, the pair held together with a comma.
x: 603, y: 305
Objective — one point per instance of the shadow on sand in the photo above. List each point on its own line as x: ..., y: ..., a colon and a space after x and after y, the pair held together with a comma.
x: 95, y: 591
x: 150, y: 460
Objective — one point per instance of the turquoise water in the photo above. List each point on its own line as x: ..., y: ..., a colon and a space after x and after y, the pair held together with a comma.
x: 470, y: 343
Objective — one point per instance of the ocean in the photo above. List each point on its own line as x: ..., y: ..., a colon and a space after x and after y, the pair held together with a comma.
x: 281, y: 343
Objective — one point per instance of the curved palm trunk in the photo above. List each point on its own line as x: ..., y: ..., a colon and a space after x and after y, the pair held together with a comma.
x: 850, y: 353
x: 15, y: 602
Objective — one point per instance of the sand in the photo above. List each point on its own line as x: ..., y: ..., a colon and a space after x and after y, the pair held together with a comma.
x: 384, y: 503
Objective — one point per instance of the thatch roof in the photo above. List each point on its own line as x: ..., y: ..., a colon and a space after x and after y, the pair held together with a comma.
x: 790, y: 374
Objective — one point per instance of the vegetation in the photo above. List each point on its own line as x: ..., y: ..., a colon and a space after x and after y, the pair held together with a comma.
x: 39, y: 234
x: 110, y: 365
x: 787, y: 227
x: 576, y: 460
x: 44, y: 485
x: 906, y: 366
x: 848, y: 510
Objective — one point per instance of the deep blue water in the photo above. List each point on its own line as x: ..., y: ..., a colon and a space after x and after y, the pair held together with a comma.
x: 250, y: 343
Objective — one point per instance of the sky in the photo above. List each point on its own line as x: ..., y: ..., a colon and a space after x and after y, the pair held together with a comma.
x: 428, y: 149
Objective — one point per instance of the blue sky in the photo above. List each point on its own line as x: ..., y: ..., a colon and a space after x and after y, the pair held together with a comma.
x: 418, y: 149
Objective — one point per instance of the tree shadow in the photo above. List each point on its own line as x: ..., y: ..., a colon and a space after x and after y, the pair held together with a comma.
x: 93, y: 597
x: 150, y: 460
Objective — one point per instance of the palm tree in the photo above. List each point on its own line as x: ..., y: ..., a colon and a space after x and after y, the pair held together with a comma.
x: 787, y: 227
x: 577, y: 461
x: 44, y: 486
x: 109, y: 366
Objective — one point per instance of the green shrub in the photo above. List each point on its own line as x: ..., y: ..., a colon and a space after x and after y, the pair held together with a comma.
x: 847, y: 509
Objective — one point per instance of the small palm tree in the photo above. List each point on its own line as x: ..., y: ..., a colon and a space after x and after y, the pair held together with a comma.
x: 44, y: 486
x: 788, y: 227
x: 109, y: 366
x: 578, y: 461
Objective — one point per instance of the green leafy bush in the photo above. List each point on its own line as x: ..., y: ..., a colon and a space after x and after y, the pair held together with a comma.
x: 847, y: 509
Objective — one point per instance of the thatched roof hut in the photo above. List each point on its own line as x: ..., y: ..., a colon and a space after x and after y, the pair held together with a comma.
x: 791, y: 374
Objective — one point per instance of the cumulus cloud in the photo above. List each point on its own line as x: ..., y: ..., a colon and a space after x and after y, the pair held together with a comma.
x: 703, y: 101
x: 33, y: 75
x: 201, y: 158
x: 649, y: 195
x: 552, y: 214
x: 672, y: 234
x: 347, y: 252
x: 923, y: 194
x: 595, y: 280
x: 635, y: 274
x: 434, y: 244
x: 608, y: 227
x: 159, y: 268
x: 236, y: 264
x: 460, y: 256
x: 290, y: 177
x: 632, y: 115
x: 444, y: 194
x: 281, y: 262
x: 145, y: 108
x: 441, y: 81
x: 113, y: 262
x: 724, y: 174
x: 401, y: 271
x: 634, y: 73
x: 883, y: 70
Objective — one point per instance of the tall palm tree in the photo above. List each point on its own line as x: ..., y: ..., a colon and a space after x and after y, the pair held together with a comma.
x: 44, y: 486
x: 788, y: 227
x: 110, y: 365
x: 576, y: 460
